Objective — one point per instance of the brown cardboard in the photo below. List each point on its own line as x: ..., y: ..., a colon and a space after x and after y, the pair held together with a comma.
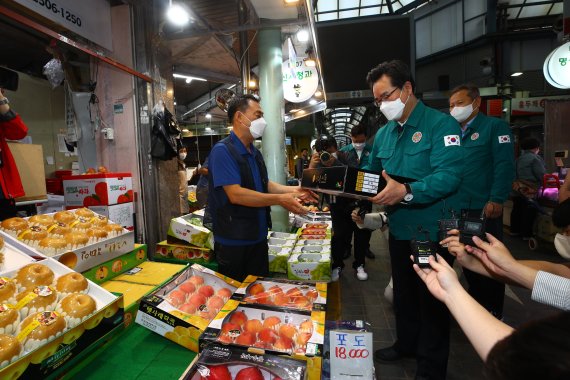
x: 29, y: 160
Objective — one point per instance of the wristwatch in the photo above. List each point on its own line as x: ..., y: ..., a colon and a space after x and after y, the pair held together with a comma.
x: 4, y: 101
x: 409, y: 196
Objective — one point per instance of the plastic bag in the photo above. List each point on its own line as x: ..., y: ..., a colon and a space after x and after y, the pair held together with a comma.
x: 53, y: 70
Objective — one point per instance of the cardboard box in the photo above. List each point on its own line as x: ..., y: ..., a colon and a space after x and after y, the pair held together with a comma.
x: 29, y: 159
x: 345, y: 181
x: 278, y: 258
x: 282, y: 293
x: 236, y: 359
x: 309, y: 266
x: 50, y: 356
x: 274, y: 241
x: 183, y: 253
x: 281, y: 235
x: 307, y: 329
x: 86, y: 257
x: 13, y: 258
x: 151, y: 273
x: 97, y: 189
x: 167, y: 310
x: 189, y: 228
x: 112, y: 268
x: 121, y: 214
x: 312, y: 248
x: 132, y: 295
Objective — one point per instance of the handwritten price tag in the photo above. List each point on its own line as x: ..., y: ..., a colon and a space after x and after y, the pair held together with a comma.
x: 351, y: 355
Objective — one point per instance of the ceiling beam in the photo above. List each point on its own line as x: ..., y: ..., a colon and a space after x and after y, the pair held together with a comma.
x: 240, y: 28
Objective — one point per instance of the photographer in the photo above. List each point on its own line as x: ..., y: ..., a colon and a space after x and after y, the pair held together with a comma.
x: 327, y: 155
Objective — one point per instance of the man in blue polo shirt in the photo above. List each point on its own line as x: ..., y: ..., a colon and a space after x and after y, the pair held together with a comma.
x: 240, y: 194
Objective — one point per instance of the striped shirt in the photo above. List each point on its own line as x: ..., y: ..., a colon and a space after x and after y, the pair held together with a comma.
x: 552, y: 290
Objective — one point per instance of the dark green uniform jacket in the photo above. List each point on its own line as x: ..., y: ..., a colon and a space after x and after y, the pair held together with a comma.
x: 429, y: 151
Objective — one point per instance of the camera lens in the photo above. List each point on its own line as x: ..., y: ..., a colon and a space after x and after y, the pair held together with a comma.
x: 325, y: 156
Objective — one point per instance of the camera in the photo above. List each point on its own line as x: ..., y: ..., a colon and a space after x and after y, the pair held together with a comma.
x: 470, y: 226
x: 325, y: 156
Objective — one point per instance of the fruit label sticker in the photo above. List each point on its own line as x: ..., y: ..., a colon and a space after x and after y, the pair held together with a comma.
x: 5, y: 307
x: 43, y: 291
x: 3, y: 281
x: 46, y: 318
x: 351, y: 354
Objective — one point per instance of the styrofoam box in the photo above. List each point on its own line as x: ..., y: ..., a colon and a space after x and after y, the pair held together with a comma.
x: 14, y: 259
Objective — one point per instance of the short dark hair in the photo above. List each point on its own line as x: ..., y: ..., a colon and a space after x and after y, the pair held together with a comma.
x: 538, y: 349
x: 561, y: 214
x: 398, y: 72
x: 358, y: 130
x: 304, y: 149
x: 240, y: 103
x: 530, y: 143
x: 472, y: 90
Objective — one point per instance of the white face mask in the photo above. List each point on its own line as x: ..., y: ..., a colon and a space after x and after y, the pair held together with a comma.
x: 358, y: 146
x: 393, y: 109
x: 335, y: 155
x: 562, y: 244
x: 182, y: 156
x: 462, y: 113
x: 256, y: 127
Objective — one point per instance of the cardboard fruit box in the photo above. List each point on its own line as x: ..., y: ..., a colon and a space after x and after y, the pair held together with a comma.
x: 84, y: 257
x: 97, y: 189
x: 113, y: 268
x: 225, y: 362
x: 269, y: 330
x: 39, y: 359
x: 278, y: 256
x: 309, y: 267
x: 282, y: 293
x: 189, y: 228
x: 182, y: 253
x: 182, y: 308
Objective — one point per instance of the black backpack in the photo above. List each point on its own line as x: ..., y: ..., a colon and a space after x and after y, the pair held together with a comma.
x: 165, y: 131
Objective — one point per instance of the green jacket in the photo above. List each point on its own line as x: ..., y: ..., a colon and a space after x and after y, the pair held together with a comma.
x: 489, y: 168
x: 429, y: 151
x: 363, y: 161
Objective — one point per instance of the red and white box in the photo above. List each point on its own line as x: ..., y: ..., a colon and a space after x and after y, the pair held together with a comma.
x: 104, y: 189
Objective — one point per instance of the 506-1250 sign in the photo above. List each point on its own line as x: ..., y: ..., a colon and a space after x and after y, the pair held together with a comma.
x: 65, y: 14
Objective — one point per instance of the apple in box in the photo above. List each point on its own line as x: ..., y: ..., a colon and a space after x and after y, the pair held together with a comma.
x: 98, y: 189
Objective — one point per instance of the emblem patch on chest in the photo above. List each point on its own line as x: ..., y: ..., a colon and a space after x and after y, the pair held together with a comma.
x: 474, y: 136
x: 504, y: 139
x: 450, y: 140
x: 416, y: 138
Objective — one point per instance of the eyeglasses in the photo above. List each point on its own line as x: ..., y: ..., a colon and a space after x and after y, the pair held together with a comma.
x: 377, y: 102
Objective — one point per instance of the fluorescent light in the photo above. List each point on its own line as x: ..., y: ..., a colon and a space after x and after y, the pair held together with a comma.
x: 303, y: 35
x: 177, y: 15
x: 208, y: 116
x: 208, y: 129
x: 517, y: 74
x: 188, y: 78
x: 318, y: 94
x: 312, y: 102
x: 174, y: 103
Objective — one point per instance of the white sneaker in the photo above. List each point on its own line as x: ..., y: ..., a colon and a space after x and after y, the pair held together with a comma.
x: 336, y: 274
x: 361, y: 273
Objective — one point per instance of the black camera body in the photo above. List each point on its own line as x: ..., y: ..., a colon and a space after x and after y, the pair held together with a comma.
x: 422, y: 250
x: 325, y: 156
x: 448, y: 224
x: 324, y: 142
x: 470, y: 227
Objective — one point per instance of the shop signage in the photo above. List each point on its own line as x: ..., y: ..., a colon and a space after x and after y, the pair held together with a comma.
x: 556, y: 67
x: 299, y: 81
x: 531, y: 106
x: 351, y: 354
x: 89, y: 19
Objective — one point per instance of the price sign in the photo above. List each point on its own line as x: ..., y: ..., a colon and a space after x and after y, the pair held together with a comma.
x: 351, y: 355
x: 299, y: 81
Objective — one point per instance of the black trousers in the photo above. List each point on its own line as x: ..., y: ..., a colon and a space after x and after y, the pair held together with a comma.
x: 422, y: 322
x: 488, y: 292
x: 237, y: 262
x: 523, y: 216
x: 7, y: 208
x: 343, y: 230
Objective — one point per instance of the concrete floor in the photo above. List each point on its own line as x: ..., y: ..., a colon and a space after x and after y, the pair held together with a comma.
x: 365, y: 300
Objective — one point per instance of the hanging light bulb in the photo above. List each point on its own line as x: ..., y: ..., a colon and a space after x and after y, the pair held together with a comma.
x: 177, y: 15
x: 303, y: 35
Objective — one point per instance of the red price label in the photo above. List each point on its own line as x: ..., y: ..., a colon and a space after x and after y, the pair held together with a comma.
x: 341, y: 353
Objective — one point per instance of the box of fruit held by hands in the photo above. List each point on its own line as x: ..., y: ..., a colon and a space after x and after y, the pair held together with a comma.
x: 102, y: 189
x: 233, y: 363
x: 182, y: 308
x: 259, y: 328
x: 282, y: 293
x: 189, y: 228
x: 48, y: 316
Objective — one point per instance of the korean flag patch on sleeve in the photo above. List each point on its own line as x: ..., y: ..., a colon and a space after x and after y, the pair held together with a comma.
x: 451, y: 140
x: 504, y: 139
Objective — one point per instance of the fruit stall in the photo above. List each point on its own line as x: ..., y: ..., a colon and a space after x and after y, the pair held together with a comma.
x: 86, y: 299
